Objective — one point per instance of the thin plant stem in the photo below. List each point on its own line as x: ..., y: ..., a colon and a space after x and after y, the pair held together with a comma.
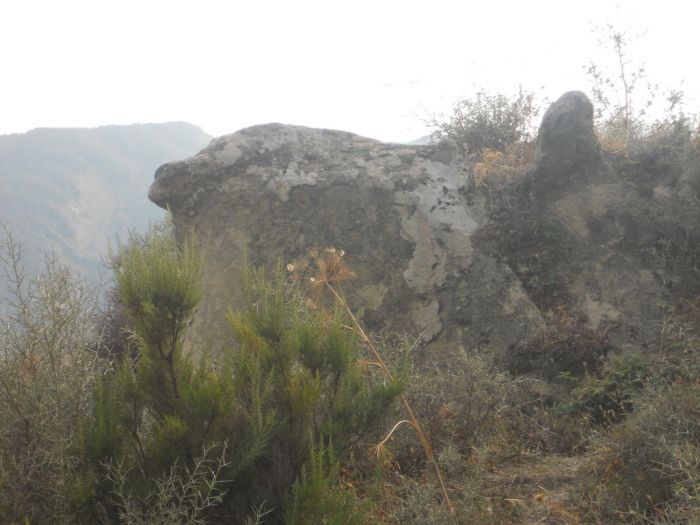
x: 422, y: 437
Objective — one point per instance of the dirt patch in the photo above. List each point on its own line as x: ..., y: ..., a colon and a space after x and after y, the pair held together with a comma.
x: 539, y: 489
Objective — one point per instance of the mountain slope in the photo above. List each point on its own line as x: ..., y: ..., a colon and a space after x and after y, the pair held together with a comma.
x: 71, y: 190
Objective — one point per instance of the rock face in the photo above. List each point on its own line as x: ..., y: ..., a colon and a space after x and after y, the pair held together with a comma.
x: 588, y: 245
x: 619, y: 249
x: 274, y: 192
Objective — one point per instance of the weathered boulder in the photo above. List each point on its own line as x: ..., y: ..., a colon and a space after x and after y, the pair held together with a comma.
x: 590, y: 250
x: 567, y: 147
x: 275, y: 191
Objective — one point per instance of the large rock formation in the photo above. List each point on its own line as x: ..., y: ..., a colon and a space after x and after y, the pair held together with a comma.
x: 276, y: 191
x: 574, y: 239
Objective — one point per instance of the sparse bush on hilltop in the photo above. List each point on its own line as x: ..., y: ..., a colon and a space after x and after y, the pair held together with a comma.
x: 489, y: 121
x: 615, y: 92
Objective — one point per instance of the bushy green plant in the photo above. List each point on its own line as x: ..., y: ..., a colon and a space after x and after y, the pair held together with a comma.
x: 317, y: 388
x: 649, y: 465
x: 316, y: 498
x: 157, y: 413
x: 489, y: 121
x: 606, y: 397
x: 292, y: 381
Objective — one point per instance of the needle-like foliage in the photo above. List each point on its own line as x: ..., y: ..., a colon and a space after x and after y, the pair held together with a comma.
x: 292, y: 381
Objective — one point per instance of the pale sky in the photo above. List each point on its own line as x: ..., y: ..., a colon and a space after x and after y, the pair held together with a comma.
x: 377, y: 68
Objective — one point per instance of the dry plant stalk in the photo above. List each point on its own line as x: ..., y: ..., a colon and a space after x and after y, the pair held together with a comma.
x: 330, y: 272
x: 182, y: 495
x: 48, y: 364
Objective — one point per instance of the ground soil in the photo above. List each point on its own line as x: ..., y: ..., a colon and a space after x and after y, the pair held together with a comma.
x: 538, y: 489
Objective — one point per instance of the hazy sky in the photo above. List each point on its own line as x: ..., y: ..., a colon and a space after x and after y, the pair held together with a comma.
x: 373, y: 67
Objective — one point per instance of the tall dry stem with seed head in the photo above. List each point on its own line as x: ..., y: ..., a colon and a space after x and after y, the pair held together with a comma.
x: 329, y: 271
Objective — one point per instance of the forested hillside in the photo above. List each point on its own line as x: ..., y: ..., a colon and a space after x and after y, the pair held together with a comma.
x: 70, y: 190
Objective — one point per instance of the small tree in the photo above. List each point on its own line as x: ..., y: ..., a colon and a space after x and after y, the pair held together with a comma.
x: 153, y: 417
x: 618, y: 109
x: 318, y: 392
x: 293, y: 381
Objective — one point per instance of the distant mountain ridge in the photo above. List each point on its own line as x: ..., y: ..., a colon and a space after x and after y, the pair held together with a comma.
x: 71, y: 190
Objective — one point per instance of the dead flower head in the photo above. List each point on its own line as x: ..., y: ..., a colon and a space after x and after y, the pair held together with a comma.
x: 329, y: 267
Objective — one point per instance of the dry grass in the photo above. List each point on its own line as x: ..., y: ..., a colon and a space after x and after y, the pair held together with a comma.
x: 495, y: 169
x: 183, y: 496
x: 496, y: 438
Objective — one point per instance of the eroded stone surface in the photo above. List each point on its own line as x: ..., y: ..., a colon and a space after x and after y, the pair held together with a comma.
x: 428, y: 260
x: 276, y: 191
x: 567, y: 147
x: 629, y: 255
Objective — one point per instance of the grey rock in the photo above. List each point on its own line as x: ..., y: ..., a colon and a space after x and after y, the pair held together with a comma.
x: 274, y: 192
x: 567, y: 146
x: 430, y: 261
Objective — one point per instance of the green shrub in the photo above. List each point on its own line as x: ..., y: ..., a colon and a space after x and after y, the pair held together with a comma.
x: 648, y: 465
x: 316, y: 385
x: 607, y: 397
x: 316, y: 497
x: 292, y: 381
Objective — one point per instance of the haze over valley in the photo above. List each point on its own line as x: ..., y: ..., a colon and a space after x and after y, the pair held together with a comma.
x: 71, y: 191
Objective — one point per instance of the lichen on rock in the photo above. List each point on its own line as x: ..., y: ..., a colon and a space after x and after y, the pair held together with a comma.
x: 574, y: 239
x: 275, y: 191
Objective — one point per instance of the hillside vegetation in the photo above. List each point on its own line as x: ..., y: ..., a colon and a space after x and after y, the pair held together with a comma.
x: 70, y: 190
x: 300, y: 424
x: 304, y: 415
